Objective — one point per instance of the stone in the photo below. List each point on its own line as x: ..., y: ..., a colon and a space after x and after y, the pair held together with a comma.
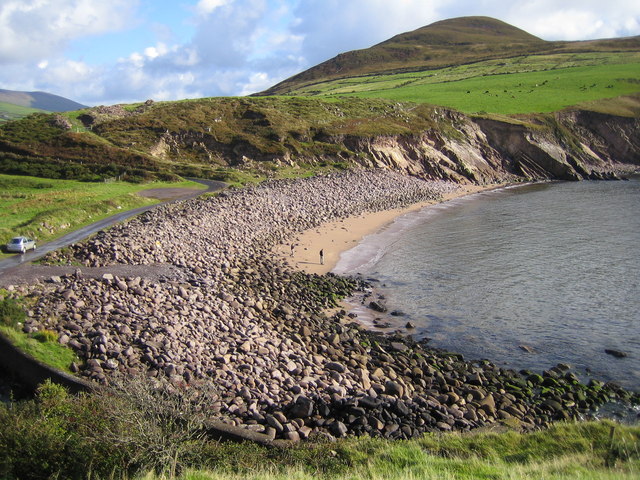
x: 335, y: 366
x: 274, y: 423
x: 303, y: 408
x: 338, y: 429
x: 393, y: 388
x: 615, y: 353
x: 378, y: 307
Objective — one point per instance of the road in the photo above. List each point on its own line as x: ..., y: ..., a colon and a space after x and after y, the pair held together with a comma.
x: 84, y: 232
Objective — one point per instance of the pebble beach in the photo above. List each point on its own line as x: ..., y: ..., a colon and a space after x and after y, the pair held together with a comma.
x: 206, y: 291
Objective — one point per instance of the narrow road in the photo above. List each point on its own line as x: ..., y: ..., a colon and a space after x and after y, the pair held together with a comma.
x: 84, y: 232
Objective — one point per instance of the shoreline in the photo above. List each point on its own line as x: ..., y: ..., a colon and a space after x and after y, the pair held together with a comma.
x: 231, y: 313
x: 339, y: 236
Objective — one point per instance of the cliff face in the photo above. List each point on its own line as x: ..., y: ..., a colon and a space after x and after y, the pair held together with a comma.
x: 568, y: 145
x: 213, y: 138
x: 571, y: 146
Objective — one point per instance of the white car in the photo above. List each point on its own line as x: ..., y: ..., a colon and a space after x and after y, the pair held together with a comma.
x: 21, y: 244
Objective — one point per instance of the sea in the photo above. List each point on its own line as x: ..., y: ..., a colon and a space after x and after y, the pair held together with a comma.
x: 525, y: 276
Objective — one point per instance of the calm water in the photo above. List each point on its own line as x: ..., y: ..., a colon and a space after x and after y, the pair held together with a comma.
x: 555, y: 267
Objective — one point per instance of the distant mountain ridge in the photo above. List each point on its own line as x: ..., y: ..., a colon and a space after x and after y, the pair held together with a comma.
x: 40, y: 101
x: 455, y: 41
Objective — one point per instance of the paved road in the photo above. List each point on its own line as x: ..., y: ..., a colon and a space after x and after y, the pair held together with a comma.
x: 82, y: 233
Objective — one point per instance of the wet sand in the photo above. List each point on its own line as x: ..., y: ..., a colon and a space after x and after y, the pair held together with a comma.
x: 334, y: 238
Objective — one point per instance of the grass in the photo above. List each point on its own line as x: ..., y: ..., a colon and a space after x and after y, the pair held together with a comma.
x: 46, y: 208
x: 42, y: 346
x: 527, y: 84
x: 10, y: 111
x: 126, y: 432
x: 565, y: 451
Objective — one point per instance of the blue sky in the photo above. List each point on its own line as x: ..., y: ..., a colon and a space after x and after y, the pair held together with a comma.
x: 106, y: 52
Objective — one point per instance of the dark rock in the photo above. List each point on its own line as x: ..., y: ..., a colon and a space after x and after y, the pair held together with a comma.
x: 615, y: 353
x: 338, y: 429
x: 336, y: 367
x: 303, y: 408
x: 378, y: 307
x: 393, y: 388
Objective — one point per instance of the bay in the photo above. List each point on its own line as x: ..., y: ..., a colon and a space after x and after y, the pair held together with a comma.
x: 526, y: 277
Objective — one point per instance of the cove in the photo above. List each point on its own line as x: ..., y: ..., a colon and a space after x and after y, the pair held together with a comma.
x: 527, y: 277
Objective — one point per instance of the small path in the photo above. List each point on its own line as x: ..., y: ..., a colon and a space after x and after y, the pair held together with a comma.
x: 167, y: 195
x: 30, y: 273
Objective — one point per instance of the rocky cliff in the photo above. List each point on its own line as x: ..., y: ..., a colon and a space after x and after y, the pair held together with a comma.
x: 212, y: 138
x: 569, y: 145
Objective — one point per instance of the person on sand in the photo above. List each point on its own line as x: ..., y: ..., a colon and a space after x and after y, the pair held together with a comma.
x: 293, y: 247
x: 321, y: 257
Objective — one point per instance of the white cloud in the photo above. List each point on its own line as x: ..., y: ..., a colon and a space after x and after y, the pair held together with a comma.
x: 35, y: 29
x: 575, y: 19
x: 205, y: 7
x: 243, y: 46
x: 330, y: 27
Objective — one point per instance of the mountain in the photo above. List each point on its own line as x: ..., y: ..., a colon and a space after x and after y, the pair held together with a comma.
x: 533, y: 110
x: 39, y: 101
x: 456, y: 41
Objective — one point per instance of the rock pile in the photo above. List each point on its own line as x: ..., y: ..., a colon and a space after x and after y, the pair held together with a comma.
x: 229, y: 313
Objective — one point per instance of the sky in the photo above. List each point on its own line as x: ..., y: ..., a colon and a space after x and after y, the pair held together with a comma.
x: 103, y: 52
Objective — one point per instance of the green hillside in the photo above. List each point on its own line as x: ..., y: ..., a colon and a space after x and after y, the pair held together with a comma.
x: 518, y: 85
x: 453, y: 42
x: 475, y: 65
x: 39, y: 100
x: 10, y: 111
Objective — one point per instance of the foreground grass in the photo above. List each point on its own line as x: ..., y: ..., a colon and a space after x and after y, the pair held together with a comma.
x: 576, y: 451
x: 136, y: 431
x: 46, y: 208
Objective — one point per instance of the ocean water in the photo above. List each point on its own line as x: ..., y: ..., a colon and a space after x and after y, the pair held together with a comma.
x: 553, y: 268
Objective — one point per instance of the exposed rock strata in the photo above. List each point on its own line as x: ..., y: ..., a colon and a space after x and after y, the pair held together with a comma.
x: 232, y: 314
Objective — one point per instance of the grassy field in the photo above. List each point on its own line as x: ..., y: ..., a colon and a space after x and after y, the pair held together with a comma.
x: 9, y: 111
x: 45, y: 209
x: 529, y: 84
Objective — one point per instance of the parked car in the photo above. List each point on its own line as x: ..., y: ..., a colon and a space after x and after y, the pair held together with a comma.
x: 21, y: 244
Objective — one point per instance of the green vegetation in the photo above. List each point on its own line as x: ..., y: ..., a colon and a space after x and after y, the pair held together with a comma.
x: 134, y: 432
x: 528, y: 84
x: 10, y: 111
x: 42, y: 345
x: 11, y: 312
x: 457, y: 41
x: 208, y: 138
x: 45, y: 208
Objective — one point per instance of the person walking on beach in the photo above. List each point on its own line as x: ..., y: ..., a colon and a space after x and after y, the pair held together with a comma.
x: 293, y: 247
x: 321, y: 257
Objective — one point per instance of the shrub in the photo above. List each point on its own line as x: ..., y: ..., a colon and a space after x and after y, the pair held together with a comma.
x: 44, y: 336
x: 11, y: 312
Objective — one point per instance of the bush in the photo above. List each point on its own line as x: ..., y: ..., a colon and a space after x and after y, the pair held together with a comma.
x: 11, y: 312
x: 44, y: 336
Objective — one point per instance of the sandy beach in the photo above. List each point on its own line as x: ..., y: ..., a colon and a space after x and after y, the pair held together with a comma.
x: 337, y: 237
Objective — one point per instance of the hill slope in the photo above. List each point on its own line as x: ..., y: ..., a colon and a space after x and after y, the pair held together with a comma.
x: 39, y: 101
x: 271, y: 137
x: 450, y: 42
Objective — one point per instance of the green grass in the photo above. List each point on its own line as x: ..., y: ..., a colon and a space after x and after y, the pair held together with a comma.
x: 42, y: 346
x: 46, y: 209
x: 10, y: 111
x: 530, y: 84
x: 565, y: 451
x: 125, y: 432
